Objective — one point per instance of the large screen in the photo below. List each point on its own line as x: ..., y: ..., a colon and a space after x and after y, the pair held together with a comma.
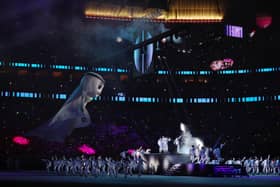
x: 234, y: 31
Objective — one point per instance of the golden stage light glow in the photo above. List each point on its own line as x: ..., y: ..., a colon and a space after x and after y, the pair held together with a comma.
x: 179, y: 11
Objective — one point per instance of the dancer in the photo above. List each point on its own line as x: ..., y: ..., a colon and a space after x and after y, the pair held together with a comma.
x: 163, y: 144
x: 192, y: 154
x: 217, y: 153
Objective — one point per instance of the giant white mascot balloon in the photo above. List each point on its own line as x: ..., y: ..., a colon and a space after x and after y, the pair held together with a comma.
x: 73, y: 114
x: 185, y: 141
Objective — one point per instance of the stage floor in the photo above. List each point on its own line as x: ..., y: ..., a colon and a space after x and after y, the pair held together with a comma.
x: 41, y: 179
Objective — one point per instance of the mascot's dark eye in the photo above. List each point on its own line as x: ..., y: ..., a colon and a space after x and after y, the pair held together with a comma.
x: 99, y: 87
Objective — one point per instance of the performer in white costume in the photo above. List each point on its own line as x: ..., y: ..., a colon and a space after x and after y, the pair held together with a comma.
x: 73, y: 114
x: 163, y: 144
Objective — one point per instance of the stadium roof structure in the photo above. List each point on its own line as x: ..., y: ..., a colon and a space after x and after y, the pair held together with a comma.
x: 176, y: 11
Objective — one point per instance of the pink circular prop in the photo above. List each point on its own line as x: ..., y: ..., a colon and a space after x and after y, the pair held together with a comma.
x: 86, y: 149
x: 263, y: 21
x: 20, y: 140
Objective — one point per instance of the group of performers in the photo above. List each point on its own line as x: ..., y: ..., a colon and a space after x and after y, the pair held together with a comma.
x: 129, y: 164
x: 192, y: 146
x: 201, y: 155
x: 133, y: 162
x: 197, y: 153
x: 256, y: 166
